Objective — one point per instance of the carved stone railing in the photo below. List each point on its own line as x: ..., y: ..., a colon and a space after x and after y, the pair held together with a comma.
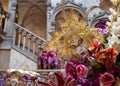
x: 27, y: 41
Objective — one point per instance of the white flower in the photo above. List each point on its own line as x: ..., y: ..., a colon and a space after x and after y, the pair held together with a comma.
x: 112, y: 11
x: 35, y: 74
x: 116, y: 27
x: 27, y: 72
x: 21, y: 71
x: 14, y: 80
x: 113, y: 15
x: 110, y: 17
x: 11, y: 70
x: 113, y: 39
x: 118, y: 19
x: 109, y: 24
x: 115, y: 2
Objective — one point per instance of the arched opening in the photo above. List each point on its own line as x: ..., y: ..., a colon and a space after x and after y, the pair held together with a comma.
x: 60, y: 15
x: 33, y: 16
x: 35, y: 21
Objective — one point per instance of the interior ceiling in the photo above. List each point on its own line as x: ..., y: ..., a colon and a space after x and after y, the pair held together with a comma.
x: 4, y: 4
x: 32, y: 1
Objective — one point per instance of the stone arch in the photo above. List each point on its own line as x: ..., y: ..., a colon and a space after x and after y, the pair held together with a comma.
x: 36, y: 7
x: 59, y: 18
x: 96, y: 18
x: 68, y: 5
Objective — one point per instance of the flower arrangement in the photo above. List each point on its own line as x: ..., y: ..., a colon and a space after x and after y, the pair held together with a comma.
x: 95, y: 62
x: 15, y: 77
x: 99, y: 64
x: 48, y: 60
x: 101, y: 69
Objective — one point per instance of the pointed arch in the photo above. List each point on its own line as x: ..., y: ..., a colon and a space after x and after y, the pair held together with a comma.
x: 28, y: 11
x: 68, y: 5
x: 35, y: 20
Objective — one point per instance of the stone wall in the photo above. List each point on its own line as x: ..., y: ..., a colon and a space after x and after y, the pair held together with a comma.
x: 4, y: 58
x: 33, y: 17
x: 20, y: 61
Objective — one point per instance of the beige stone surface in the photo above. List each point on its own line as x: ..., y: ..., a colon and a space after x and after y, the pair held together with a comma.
x: 19, y: 61
x: 4, y: 58
x: 33, y: 17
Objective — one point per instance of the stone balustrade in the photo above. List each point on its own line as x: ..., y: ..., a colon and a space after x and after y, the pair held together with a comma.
x: 27, y: 41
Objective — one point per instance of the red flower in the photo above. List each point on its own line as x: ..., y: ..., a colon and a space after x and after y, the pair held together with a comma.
x: 107, y: 79
x: 44, y: 51
x: 95, y: 48
x: 81, y: 70
x: 94, y: 45
x: 70, y: 68
x: 112, y: 52
x: 107, y: 57
x: 70, y: 81
x: 104, y: 56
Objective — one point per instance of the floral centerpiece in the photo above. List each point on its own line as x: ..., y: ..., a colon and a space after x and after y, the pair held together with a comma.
x: 94, y: 61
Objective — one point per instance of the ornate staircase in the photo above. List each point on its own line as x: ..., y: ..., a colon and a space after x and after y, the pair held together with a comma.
x: 27, y: 42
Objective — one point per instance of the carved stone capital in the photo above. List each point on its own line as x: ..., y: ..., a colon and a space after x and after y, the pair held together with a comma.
x: 24, y: 33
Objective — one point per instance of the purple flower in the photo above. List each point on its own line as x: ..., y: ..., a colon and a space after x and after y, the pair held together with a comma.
x: 27, y: 76
x: 24, y: 80
x: 83, y: 82
x: 48, y: 58
x: 2, y: 82
x: 2, y: 79
x: 113, y: 70
x: 94, y: 80
x: 70, y: 68
x: 91, y: 81
x: 33, y: 78
x: 104, y: 31
x: 101, y: 26
x: 4, y: 76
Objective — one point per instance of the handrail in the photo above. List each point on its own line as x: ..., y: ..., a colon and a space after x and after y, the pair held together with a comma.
x: 31, y: 33
x: 27, y: 41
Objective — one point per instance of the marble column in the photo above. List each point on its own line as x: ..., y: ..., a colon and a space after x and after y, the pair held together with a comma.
x: 48, y: 19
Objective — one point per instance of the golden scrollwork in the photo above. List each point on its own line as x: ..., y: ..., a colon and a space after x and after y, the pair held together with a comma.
x: 72, y: 30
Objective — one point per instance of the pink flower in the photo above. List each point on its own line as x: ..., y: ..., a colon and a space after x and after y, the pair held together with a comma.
x: 81, y: 70
x: 107, y: 79
x: 63, y: 72
x: 50, y: 74
x: 70, y: 68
